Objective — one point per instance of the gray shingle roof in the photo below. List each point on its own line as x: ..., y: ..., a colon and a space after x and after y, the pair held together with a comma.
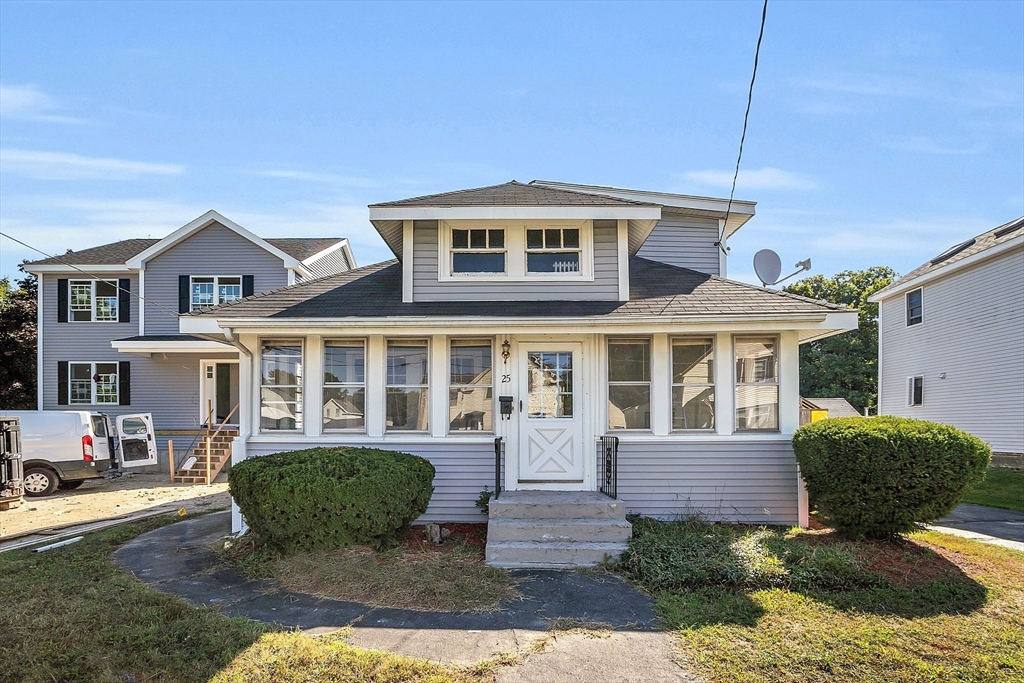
x: 655, y: 289
x: 986, y: 240
x: 119, y: 252
x: 163, y: 338
x: 514, y: 194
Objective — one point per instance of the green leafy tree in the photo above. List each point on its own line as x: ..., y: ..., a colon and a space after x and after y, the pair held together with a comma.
x: 846, y: 365
x: 18, y: 344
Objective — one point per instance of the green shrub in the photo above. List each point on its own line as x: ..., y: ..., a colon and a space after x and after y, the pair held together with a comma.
x: 331, y: 497
x: 691, y: 554
x: 882, y: 476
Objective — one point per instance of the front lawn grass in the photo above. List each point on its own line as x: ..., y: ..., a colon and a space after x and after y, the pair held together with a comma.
x: 770, y: 606
x: 71, y: 614
x: 1002, y: 488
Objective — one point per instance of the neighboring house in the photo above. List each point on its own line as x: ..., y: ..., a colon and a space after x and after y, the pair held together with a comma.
x: 835, y: 407
x: 591, y: 311
x: 951, y: 339
x: 101, y: 347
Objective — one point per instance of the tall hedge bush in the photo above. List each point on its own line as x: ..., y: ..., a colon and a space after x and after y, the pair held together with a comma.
x: 882, y: 476
x: 324, y: 498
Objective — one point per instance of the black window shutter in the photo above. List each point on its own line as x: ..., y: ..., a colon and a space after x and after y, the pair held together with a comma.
x: 124, y: 383
x: 62, y: 382
x: 124, y: 300
x: 62, y: 301
x: 183, y: 294
x: 248, y: 285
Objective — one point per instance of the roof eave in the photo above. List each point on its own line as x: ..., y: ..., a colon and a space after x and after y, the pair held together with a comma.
x: 83, y: 268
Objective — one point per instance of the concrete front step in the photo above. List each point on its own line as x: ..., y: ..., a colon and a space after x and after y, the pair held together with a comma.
x: 555, y: 505
x: 571, y: 530
x: 527, y: 554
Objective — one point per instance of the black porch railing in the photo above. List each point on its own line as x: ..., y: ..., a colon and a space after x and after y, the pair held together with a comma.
x: 498, y: 447
x: 608, y: 458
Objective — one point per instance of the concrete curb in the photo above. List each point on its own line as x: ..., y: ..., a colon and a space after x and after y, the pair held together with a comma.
x: 974, y: 536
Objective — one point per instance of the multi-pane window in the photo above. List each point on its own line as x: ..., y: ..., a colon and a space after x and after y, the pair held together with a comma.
x: 281, y: 385
x: 693, y: 383
x: 212, y: 291
x: 93, y: 300
x: 915, y: 309
x: 478, y: 250
x: 757, y: 383
x: 549, y: 384
x: 553, y: 250
x: 629, y: 384
x: 92, y: 383
x: 406, y: 392
x: 915, y: 391
x: 344, y: 385
x: 471, y: 386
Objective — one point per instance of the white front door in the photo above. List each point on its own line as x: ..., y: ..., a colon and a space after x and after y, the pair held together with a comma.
x: 551, y: 444
x: 219, y: 392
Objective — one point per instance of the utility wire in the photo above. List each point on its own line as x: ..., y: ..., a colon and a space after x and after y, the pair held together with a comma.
x: 743, y: 136
x: 169, y: 311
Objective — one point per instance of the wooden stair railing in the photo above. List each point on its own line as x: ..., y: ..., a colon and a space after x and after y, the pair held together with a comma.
x: 211, y: 454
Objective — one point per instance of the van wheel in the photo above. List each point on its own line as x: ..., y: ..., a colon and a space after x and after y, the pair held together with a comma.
x: 40, y: 482
x: 71, y: 485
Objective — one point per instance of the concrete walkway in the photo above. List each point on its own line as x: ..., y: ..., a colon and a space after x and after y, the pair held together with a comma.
x: 981, y: 521
x: 178, y: 559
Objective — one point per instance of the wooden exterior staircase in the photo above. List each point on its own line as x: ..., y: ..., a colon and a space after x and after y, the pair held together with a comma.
x: 210, y: 455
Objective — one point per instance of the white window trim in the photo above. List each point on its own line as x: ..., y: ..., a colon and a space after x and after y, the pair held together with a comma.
x: 910, y: 391
x: 462, y: 433
x: 452, y: 250
x: 324, y: 384
x: 712, y: 385
x: 216, y: 289
x: 93, y: 386
x: 426, y: 340
x: 300, y: 404
x: 736, y: 384
x: 93, y: 318
x: 515, y: 251
x: 906, y: 308
x: 609, y: 340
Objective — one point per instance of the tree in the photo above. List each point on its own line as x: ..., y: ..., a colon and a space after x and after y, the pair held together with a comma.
x: 846, y: 365
x: 18, y: 344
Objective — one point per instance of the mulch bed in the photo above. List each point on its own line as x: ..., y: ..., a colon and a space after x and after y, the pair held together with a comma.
x: 414, y: 540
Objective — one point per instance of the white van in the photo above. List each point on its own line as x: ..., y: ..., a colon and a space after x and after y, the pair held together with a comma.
x: 63, y: 448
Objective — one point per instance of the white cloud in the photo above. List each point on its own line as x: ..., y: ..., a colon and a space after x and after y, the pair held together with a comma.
x: 311, y: 177
x: 29, y: 103
x: 766, y: 178
x: 64, y: 166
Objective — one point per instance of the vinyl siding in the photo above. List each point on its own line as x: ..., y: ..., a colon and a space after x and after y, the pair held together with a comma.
x: 463, y: 470
x: 329, y: 264
x: 973, y: 331
x: 738, y: 480
x: 686, y: 242
x: 426, y: 286
x: 215, y: 250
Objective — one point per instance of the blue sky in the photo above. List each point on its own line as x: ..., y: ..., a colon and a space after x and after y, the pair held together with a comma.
x: 880, y: 134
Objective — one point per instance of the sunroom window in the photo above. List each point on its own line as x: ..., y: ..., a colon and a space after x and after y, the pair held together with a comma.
x: 757, y: 384
x: 553, y: 250
x: 344, y: 385
x: 406, y: 394
x: 478, y: 250
x: 693, y: 384
x: 629, y: 384
x: 281, y: 386
x: 471, y: 387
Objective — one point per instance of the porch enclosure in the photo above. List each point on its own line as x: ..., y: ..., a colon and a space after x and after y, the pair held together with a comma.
x: 703, y: 419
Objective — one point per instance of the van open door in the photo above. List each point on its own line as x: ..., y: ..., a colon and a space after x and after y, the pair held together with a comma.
x: 136, y: 439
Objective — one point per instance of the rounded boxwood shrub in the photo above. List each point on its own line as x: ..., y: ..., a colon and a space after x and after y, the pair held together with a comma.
x: 323, y: 498
x: 875, y: 477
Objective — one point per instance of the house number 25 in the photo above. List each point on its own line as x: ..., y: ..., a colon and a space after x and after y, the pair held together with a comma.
x: 505, y: 379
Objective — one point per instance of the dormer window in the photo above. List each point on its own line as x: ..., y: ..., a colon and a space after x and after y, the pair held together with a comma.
x: 553, y: 250
x: 478, y: 250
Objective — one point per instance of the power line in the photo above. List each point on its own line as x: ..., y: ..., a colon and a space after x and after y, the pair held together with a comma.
x: 746, y: 117
x: 169, y: 311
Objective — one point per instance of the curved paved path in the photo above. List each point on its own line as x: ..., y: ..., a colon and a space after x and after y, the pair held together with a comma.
x: 178, y: 559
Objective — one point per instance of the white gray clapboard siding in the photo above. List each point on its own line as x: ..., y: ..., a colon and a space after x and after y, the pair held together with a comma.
x: 331, y: 263
x: 214, y: 250
x: 737, y: 480
x: 684, y: 241
x: 973, y: 331
x: 426, y: 286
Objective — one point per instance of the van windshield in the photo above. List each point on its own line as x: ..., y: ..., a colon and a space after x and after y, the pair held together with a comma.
x: 99, y: 426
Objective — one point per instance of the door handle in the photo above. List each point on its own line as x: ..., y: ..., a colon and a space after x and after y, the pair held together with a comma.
x: 520, y: 405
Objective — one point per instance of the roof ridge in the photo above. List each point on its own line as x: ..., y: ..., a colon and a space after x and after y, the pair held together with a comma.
x: 513, y: 182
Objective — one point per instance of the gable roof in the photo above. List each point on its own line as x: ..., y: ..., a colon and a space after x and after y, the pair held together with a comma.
x: 115, y: 253
x: 656, y: 289
x: 303, y: 248
x: 989, y: 243
x: 513, y: 193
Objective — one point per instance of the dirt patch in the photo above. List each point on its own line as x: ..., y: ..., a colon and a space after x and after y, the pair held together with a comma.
x: 105, y: 498
x: 414, y: 540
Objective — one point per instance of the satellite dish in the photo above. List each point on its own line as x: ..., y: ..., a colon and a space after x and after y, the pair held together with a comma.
x: 768, y: 266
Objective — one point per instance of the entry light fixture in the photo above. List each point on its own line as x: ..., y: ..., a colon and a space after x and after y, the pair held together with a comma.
x: 505, y: 347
